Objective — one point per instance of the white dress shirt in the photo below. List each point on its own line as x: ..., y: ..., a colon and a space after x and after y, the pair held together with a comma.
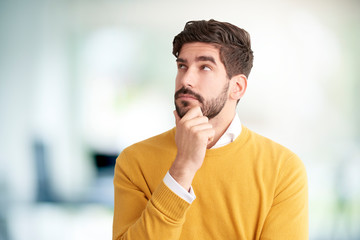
x: 229, y: 136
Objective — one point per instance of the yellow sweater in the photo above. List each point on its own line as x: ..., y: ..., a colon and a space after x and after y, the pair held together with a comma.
x: 252, y: 188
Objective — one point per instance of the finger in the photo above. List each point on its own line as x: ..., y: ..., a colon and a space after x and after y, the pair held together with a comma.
x: 195, y: 121
x: 211, y: 135
x: 205, y: 132
x: 201, y: 127
x: 192, y: 113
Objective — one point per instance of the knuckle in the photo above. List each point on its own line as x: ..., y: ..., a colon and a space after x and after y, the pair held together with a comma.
x: 186, y: 125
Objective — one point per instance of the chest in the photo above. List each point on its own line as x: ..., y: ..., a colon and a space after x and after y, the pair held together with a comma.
x: 232, y: 199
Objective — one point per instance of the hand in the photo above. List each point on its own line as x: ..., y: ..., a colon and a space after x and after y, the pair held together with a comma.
x: 193, y: 134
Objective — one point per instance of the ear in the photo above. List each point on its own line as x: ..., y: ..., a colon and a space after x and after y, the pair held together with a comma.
x: 238, y: 86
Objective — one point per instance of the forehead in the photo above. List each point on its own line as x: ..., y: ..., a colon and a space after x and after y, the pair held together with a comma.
x: 196, y: 49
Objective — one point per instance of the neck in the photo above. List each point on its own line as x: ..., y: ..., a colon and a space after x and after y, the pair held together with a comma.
x: 220, y: 123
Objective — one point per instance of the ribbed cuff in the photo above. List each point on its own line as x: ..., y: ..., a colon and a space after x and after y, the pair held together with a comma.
x: 168, y: 203
x: 174, y: 186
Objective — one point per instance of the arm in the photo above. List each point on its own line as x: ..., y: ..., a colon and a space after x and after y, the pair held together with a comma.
x: 161, y: 216
x: 288, y: 216
x: 136, y: 216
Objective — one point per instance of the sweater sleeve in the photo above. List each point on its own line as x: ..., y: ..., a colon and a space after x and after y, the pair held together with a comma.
x: 288, y: 216
x: 137, y: 217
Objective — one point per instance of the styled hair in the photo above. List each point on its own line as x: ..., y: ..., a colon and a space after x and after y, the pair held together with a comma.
x: 233, y: 43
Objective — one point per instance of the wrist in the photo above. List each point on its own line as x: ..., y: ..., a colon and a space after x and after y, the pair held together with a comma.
x: 182, y: 174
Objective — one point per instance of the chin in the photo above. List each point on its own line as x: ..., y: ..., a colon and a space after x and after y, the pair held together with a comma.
x: 181, y: 111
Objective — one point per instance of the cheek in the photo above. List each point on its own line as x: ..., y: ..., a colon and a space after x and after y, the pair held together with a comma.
x: 178, y: 80
x: 177, y: 83
x: 217, y: 88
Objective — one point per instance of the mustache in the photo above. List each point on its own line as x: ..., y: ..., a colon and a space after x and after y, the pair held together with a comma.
x: 188, y: 91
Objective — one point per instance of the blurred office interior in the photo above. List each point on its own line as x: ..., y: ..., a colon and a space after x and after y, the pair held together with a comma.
x: 81, y: 80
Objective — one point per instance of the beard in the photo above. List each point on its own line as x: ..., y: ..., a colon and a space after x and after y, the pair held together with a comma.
x: 210, y: 108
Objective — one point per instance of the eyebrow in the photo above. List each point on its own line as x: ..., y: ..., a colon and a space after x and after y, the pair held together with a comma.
x: 198, y: 59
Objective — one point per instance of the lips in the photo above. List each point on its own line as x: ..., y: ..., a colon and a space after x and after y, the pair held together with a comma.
x: 186, y: 97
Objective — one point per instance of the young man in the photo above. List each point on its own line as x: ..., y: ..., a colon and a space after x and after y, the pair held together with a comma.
x: 246, y: 186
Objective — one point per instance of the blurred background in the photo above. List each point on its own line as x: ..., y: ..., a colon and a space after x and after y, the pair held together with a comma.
x: 81, y: 80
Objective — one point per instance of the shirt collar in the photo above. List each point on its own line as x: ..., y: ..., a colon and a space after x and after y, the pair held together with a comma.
x: 231, y: 133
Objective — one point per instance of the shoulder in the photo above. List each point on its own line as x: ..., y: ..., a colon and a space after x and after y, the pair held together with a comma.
x: 266, y: 144
x: 272, y: 152
x: 276, y: 162
x: 164, y: 140
x: 159, y: 145
x: 145, y: 163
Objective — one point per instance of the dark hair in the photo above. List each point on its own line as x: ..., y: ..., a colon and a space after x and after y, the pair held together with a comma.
x: 233, y: 42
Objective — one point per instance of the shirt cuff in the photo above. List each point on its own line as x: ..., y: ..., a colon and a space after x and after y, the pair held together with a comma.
x: 174, y: 186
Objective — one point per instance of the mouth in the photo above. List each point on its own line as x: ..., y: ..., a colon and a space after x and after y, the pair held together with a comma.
x: 186, y: 97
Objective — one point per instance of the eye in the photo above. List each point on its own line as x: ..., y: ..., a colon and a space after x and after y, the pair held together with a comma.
x: 181, y: 66
x: 205, y: 68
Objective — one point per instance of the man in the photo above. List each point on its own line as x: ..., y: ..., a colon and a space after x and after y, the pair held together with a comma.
x: 210, y: 177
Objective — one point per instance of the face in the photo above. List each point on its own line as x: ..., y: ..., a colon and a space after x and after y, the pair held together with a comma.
x: 201, y: 80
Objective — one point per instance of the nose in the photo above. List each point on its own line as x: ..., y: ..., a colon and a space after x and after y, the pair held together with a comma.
x: 188, y: 78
